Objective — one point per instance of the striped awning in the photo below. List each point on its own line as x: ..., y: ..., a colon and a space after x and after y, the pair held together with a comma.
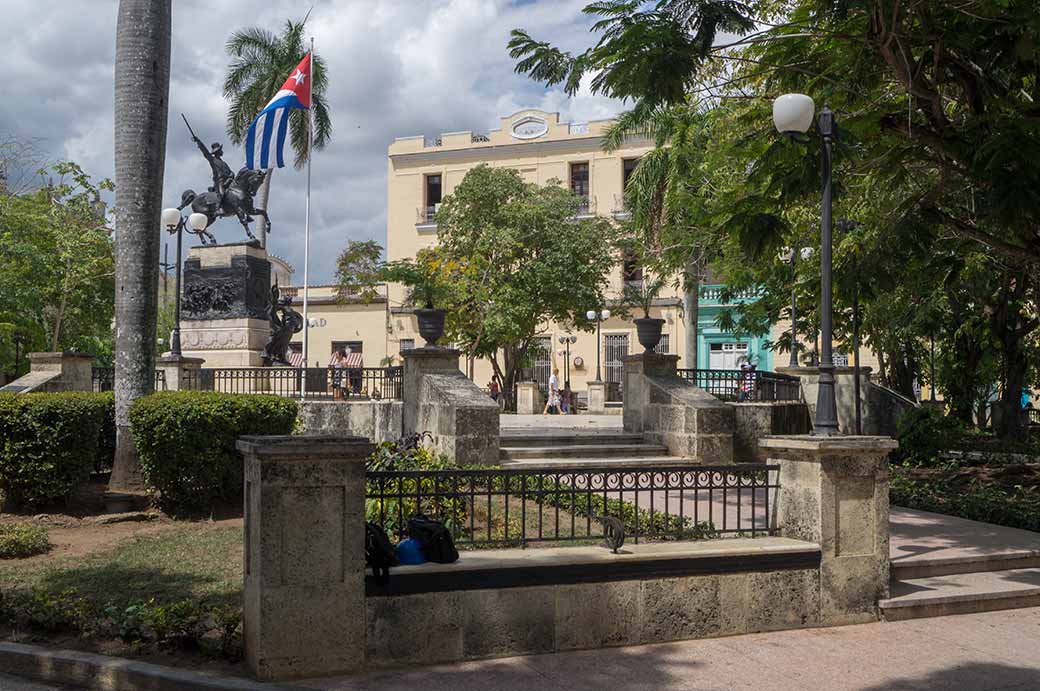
x: 295, y: 358
x: 355, y: 360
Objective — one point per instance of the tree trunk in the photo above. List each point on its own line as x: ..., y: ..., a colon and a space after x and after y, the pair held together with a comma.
x: 142, y: 85
x: 261, y: 202
x: 691, y: 312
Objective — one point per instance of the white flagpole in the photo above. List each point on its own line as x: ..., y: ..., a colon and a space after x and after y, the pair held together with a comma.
x: 307, y: 219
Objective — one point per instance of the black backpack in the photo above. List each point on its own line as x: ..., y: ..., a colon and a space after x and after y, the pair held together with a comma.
x: 379, y: 552
x: 434, y: 539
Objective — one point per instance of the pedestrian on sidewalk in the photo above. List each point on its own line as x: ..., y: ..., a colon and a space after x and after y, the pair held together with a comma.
x: 552, y: 401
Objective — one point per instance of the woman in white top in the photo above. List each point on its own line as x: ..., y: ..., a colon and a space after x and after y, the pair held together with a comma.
x: 553, y: 399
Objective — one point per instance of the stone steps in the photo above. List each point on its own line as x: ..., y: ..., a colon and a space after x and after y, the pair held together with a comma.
x: 962, y: 593
x: 566, y: 438
x: 924, y: 567
x: 510, y: 453
x: 557, y: 463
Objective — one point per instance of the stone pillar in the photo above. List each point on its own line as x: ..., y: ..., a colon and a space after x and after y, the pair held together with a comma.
x: 672, y: 411
x: 441, y: 400
x: 834, y: 492
x: 58, y: 371
x: 528, y: 398
x: 173, y: 367
x: 844, y: 393
x: 418, y: 362
x: 597, y: 398
x: 304, y: 599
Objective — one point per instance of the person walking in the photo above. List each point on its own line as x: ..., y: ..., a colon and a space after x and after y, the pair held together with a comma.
x: 552, y: 401
x: 338, y: 362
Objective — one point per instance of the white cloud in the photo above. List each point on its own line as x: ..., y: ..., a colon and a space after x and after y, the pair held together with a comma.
x: 396, y: 68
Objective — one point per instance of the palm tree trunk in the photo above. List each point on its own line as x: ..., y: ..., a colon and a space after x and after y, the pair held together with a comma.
x: 142, y: 85
x: 261, y: 201
x: 691, y: 310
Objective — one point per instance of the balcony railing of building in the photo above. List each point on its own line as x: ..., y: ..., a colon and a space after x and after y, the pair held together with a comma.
x: 426, y: 215
x: 739, y: 386
x: 586, y: 207
x: 375, y: 383
x: 103, y: 379
x: 718, y: 295
x: 621, y: 210
x: 521, y: 507
x: 1033, y: 416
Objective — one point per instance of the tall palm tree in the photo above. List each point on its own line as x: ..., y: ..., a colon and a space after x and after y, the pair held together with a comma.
x: 261, y: 62
x: 666, y: 197
x: 142, y: 86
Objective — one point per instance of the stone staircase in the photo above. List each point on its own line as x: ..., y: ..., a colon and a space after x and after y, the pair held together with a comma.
x: 991, y: 568
x: 558, y: 448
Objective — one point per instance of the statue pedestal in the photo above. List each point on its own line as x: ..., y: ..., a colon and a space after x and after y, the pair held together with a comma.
x: 227, y: 290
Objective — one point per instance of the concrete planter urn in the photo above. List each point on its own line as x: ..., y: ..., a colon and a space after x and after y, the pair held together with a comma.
x: 648, y: 331
x: 431, y: 324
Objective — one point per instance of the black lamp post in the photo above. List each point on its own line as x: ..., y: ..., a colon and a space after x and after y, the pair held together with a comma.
x: 793, y: 116
x: 19, y: 344
x: 599, y: 317
x: 174, y: 223
x: 567, y: 341
x: 931, y: 392
x: 790, y: 255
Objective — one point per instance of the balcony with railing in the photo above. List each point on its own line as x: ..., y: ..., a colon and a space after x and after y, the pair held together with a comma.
x: 717, y: 295
x: 586, y: 207
x: 426, y: 216
x: 621, y: 212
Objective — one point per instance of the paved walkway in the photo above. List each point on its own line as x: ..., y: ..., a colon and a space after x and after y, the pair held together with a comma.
x: 919, y: 535
x: 995, y: 650
x: 510, y: 422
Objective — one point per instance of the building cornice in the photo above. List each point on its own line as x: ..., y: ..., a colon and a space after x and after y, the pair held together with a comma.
x: 552, y: 146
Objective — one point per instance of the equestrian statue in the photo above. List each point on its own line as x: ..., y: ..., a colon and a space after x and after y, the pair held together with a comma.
x: 230, y: 195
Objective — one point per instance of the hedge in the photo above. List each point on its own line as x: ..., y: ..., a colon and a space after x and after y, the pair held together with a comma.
x: 186, y: 442
x: 50, y: 443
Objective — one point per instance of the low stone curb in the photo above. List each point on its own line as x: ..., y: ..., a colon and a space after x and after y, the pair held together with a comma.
x: 88, y: 670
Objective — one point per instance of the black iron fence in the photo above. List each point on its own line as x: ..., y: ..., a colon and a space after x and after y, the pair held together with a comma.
x: 321, y: 382
x: 103, y: 379
x: 740, y: 386
x: 514, y: 507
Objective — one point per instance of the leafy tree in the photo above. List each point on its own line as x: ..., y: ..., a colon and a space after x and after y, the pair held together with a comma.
x: 514, y: 256
x: 358, y: 269
x: 261, y: 61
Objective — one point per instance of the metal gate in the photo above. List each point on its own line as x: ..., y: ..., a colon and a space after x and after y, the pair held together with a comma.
x: 542, y: 362
x: 615, y: 348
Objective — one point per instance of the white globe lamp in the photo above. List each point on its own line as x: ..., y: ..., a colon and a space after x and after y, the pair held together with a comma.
x: 793, y: 113
x: 170, y: 218
x: 198, y: 222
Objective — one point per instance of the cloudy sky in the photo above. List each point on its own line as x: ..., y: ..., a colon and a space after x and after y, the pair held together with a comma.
x: 396, y: 68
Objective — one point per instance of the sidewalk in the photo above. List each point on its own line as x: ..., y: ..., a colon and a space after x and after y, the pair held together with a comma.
x: 995, y: 650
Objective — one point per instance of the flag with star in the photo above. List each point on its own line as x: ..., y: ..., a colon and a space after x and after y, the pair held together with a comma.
x: 267, y: 133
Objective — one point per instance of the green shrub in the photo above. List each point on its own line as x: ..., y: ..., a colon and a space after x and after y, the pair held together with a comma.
x: 924, y: 433
x: 1018, y: 508
x: 49, y: 444
x: 22, y: 540
x: 186, y: 442
x: 107, y: 441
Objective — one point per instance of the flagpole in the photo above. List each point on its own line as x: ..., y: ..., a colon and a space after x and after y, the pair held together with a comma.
x: 307, y: 218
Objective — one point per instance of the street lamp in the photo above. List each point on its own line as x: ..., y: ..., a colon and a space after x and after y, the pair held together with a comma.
x: 19, y: 345
x: 567, y: 341
x: 790, y: 256
x: 599, y: 317
x: 793, y: 115
x: 174, y: 223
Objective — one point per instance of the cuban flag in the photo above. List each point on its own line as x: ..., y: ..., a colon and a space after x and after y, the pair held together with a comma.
x: 267, y: 133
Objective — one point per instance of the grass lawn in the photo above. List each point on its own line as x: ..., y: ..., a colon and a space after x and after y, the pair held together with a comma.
x: 201, y: 561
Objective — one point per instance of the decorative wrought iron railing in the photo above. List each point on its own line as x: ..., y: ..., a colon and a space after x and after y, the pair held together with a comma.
x: 736, y: 385
x: 476, y: 138
x: 514, y: 507
x: 718, y: 295
x: 1033, y: 416
x: 103, y: 379
x: 586, y: 206
x: 425, y: 215
x: 321, y: 382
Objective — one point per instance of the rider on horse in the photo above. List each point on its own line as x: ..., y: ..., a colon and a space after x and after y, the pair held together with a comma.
x: 222, y: 175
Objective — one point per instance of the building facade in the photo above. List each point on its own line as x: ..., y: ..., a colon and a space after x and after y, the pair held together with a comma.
x: 422, y: 171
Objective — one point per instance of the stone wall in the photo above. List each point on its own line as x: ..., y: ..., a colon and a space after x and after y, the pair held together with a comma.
x: 459, y: 625
x: 880, y: 408
x: 671, y: 411
x: 54, y: 372
x: 441, y: 400
x: 377, y: 421
x: 761, y: 419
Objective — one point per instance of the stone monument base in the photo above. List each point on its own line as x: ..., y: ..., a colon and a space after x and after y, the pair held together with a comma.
x: 226, y: 342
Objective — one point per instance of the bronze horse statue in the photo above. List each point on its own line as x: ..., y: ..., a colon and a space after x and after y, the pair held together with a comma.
x: 236, y: 201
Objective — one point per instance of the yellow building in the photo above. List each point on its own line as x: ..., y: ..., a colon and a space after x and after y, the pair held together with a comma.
x: 422, y: 171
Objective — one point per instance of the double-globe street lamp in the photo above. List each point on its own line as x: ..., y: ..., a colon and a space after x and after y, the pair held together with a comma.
x: 598, y: 316
x: 567, y: 341
x: 793, y: 116
x: 175, y: 223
